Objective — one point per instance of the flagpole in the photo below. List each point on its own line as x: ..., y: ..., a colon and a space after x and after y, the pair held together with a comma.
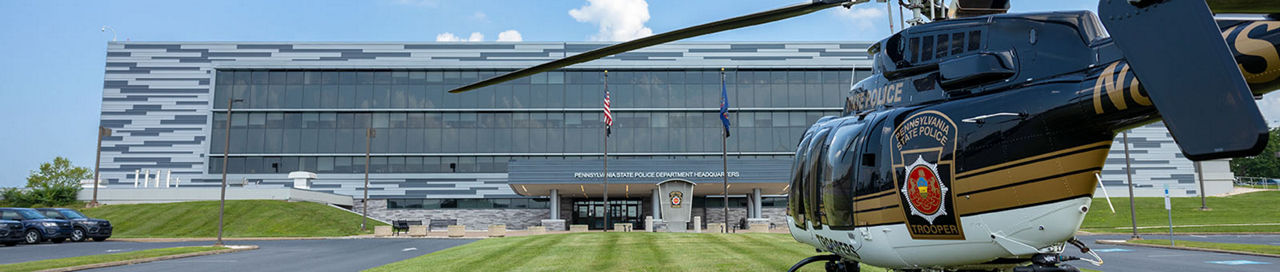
x: 724, y: 146
x: 607, y: 131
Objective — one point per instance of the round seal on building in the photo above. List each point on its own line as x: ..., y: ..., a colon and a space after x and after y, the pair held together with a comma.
x: 923, y: 190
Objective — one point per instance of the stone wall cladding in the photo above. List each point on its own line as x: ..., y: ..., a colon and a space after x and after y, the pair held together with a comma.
x: 716, y: 215
x: 474, y: 219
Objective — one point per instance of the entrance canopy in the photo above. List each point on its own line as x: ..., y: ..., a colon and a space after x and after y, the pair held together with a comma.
x: 639, y: 177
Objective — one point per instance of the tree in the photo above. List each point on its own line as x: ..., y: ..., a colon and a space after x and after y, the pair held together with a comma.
x: 56, y: 183
x: 1265, y: 164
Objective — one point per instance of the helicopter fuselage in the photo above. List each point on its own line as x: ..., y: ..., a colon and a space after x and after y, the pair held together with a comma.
x: 980, y: 135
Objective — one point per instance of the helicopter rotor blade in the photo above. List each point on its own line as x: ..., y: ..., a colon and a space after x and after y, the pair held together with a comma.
x: 688, y: 32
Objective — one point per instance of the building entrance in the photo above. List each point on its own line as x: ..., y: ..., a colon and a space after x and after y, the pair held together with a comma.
x: 591, y: 213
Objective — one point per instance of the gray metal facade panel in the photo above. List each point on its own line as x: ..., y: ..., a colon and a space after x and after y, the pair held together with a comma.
x: 157, y: 95
x: 1156, y: 162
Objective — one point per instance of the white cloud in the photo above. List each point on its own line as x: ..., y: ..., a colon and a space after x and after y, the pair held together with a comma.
x: 510, y: 36
x: 480, y: 17
x: 618, y: 20
x: 1270, y: 107
x: 449, y: 37
x: 863, y: 17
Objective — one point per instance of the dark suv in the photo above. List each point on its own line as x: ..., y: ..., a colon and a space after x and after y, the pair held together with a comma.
x: 37, y: 227
x: 10, y: 232
x: 83, y: 227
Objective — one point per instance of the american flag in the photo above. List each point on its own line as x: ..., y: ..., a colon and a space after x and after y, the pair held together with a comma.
x: 608, y: 116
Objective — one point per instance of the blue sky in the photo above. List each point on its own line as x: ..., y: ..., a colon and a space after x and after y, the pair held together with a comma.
x: 53, y: 51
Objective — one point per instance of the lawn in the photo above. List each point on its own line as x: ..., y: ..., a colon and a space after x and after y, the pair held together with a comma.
x: 244, y: 218
x: 1243, y: 6
x: 103, y: 258
x: 1266, y: 249
x: 1251, y: 208
x: 632, y: 251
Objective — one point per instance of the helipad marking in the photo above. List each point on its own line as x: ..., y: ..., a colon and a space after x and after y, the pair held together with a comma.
x: 1237, y: 262
x: 1105, y: 250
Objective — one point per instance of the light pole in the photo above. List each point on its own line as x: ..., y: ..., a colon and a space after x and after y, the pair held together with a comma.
x: 226, y: 148
x: 113, y: 32
x: 1128, y: 172
x: 97, y: 163
x: 1200, y: 176
x: 368, y: 137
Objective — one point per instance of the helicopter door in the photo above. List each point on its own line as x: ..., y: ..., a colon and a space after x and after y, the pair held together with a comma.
x: 872, y: 181
x: 795, y: 199
x: 812, y: 171
x: 837, y: 182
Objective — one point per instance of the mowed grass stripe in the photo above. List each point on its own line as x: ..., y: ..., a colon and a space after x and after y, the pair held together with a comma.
x: 634, y: 251
x: 515, y: 253
x: 653, y: 253
x: 244, y: 218
x: 605, y: 255
x: 1256, y: 207
x: 736, y: 243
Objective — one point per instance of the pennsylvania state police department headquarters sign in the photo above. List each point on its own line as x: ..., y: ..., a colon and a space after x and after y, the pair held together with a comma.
x: 655, y: 175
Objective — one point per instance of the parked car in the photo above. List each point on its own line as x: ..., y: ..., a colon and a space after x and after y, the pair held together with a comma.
x: 36, y: 227
x: 10, y: 232
x: 83, y: 227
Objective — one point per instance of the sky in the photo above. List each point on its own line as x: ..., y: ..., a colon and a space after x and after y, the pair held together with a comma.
x: 52, y: 52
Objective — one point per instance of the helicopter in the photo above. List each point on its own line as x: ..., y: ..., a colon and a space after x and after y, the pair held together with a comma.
x: 974, y: 143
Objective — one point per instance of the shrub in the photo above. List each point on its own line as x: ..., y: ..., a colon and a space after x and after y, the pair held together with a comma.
x: 55, y: 184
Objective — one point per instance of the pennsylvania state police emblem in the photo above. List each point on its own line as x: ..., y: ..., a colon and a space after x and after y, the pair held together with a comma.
x: 924, y: 147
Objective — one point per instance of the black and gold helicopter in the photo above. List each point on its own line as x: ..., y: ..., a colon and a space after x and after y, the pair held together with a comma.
x: 973, y: 146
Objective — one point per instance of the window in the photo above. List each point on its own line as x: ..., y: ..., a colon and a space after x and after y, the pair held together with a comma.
x: 470, y: 203
x: 957, y: 43
x: 944, y: 41
x: 913, y: 45
x: 926, y: 53
x: 872, y: 179
x: 837, y: 185
x: 975, y: 40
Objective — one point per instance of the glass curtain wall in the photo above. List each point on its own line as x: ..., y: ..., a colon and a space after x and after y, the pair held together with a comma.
x: 314, y: 120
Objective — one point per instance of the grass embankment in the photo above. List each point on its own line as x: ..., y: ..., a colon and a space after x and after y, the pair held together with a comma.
x: 104, y: 258
x: 1251, y: 208
x: 1242, y: 6
x: 634, y: 251
x: 244, y: 218
x: 1264, y: 249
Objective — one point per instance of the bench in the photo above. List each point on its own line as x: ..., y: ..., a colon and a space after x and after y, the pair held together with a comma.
x: 398, y: 226
x: 441, y: 224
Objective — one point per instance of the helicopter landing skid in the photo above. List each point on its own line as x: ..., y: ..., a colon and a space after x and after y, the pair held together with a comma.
x: 834, y: 264
x: 1048, y: 262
